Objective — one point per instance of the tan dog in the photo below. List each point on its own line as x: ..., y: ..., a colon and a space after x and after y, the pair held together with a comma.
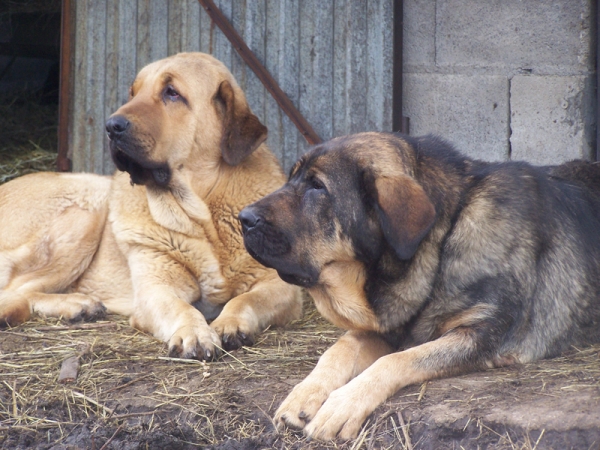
x: 164, y: 237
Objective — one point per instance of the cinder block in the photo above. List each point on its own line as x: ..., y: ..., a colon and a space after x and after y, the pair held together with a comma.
x: 419, y: 34
x: 469, y: 111
x: 514, y: 34
x: 551, y: 118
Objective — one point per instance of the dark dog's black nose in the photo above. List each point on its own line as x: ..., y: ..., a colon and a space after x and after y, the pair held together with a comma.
x: 116, y: 125
x: 249, y: 218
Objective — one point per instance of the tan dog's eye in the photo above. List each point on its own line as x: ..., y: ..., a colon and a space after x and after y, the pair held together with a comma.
x: 171, y: 93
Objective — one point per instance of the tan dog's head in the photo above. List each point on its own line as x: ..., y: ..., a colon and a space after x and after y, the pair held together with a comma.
x: 353, y: 198
x: 184, y: 112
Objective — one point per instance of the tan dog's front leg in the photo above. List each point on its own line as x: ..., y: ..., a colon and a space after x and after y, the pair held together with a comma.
x: 163, y: 293
x: 348, y: 357
x: 270, y: 302
x: 163, y: 312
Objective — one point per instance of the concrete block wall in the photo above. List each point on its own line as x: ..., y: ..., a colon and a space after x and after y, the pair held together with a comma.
x: 502, y: 79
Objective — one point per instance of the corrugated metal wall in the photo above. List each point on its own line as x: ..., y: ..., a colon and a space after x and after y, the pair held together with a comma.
x: 333, y: 58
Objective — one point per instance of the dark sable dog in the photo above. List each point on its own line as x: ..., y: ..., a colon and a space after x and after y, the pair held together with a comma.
x: 436, y: 264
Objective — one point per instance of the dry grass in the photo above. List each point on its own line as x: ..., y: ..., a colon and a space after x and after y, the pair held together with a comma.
x: 28, y: 136
x: 128, y: 390
x: 126, y: 383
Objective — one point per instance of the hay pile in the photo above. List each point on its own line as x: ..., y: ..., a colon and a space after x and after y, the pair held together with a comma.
x: 127, y: 388
x: 28, y: 136
x: 129, y: 394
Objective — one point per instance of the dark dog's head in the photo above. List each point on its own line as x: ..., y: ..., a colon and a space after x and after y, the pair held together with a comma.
x: 184, y: 113
x: 349, y: 199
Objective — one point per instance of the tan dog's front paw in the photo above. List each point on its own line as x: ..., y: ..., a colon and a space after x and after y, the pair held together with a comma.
x: 236, y: 330
x: 195, y: 342
x: 301, y: 405
x: 90, y: 311
x: 342, y: 414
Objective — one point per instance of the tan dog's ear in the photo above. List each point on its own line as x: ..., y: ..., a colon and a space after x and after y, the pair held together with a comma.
x: 405, y: 212
x: 242, y: 131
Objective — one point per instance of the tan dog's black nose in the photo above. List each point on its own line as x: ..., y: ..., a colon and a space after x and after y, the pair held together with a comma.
x: 116, y: 125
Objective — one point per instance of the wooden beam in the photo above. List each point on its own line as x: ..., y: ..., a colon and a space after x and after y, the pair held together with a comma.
x: 63, y: 164
x: 399, y: 122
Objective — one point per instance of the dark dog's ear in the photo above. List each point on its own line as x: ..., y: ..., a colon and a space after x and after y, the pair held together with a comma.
x: 242, y: 131
x: 405, y: 213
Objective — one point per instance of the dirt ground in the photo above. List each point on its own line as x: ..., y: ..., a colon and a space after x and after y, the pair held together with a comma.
x: 129, y: 395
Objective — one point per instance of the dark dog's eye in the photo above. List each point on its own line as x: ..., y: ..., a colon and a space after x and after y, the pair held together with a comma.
x: 171, y: 94
x: 316, y: 184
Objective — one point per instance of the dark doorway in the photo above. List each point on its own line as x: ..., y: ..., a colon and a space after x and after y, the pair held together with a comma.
x: 29, y: 85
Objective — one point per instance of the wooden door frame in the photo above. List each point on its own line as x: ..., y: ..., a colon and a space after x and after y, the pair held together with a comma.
x: 63, y: 163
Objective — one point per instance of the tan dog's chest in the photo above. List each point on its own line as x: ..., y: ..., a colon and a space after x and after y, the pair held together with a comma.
x: 186, y: 246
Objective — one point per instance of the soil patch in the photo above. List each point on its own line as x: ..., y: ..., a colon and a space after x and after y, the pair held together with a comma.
x: 130, y: 395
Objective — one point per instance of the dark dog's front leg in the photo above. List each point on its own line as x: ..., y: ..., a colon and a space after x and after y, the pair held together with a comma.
x: 347, y: 407
x: 348, y: 357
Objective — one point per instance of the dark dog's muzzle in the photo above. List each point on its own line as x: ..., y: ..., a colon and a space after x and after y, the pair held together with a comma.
x: 272, y: 248
x: 262, y: 240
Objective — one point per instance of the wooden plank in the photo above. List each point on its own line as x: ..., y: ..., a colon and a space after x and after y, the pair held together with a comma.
x: 340, y: 113
x: 152, y: 30
x: 206, y: 27
x: 111, y: 83
x: 356, y: 78
x: 254, y: 36
x: 305, y: 68
x: 269, y: 82
x: 174, y: 26
x: 143, y: 34
x: 127, y: 50
x: 289, y: 66
x: 159, y: 29
x: 88, y: 113
x: 78, y: 145
x: 237, y: 18
x: 322, y: 71
x: 96, y: 76
x: 190, y: 25
x: 65, y: 103
x: 381, y: 45
x: 375, y: 65
x: 273, y: 114
x: 387, y: 19
x: 221, y: 48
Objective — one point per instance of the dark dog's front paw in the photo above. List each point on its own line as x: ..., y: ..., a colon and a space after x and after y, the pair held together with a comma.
x: 301, y: 405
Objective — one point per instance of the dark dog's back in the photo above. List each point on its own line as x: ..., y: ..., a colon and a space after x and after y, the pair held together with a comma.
x: 585, y: 173
x: 527, y: 241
